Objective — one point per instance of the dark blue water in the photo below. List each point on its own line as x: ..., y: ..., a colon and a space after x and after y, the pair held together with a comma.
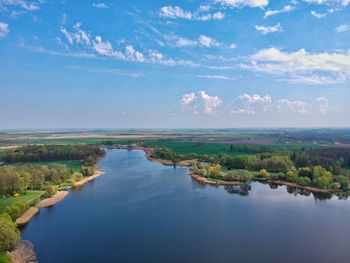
x: 141, y: 211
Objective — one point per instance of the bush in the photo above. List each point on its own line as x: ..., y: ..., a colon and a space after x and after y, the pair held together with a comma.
x: 303, y: 181
x: 50, y: 191
x: 291, y: 176
x: 322, y: 182
x: 9, y: 234
x: 16, y: 210
x: 343, y: 181
x: 263, y: 173
x: 281, y: 176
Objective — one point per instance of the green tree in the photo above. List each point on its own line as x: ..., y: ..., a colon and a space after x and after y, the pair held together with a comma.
x: 291, y: 176
x: 50, y: 190
x: 303, y: 181
x: 343, y: 181
x: 9, y: 234
x: 263, y: 173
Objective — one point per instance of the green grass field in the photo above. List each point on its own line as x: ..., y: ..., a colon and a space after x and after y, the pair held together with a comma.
x: 28, y: 197
x: 219, y: 148
x: 72, y: 164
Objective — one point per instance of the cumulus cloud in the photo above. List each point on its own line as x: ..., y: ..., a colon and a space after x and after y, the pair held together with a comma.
x: 202, y: 14
x: 255, y: 104
x: 302, y: 66
x: 200, y: 102
x: 269, y: 29
x: 342, y: 28
x: 243, y: 3
x: 4, y: 29
x: 285, y: 9
x: 317, y: 15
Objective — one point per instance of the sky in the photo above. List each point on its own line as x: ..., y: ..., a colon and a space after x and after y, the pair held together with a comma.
x: 174, y: 64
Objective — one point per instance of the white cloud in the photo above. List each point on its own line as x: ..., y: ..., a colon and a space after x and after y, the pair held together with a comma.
x: 285, y: 9
x: 100, y: 5
x: 200, y: 102
x: 256, y: 104
x: 105, y: 48
x: 329, y: 2
x: 269, y: 29
x: 243, y: 3
x: 4, y: 29
x: 133, y: 54
x: 26, y: 5
x: 175, y: 12
x: 187, y: 99
x: 207, y: 41
x: 202, y: 40
x: 317, y: 15
x: 342, y: 28
x: 250, y: 104
x: 181, y: 41
x: 218, y: 16
x: 79, y: 36
x: 301, y: 66
x: 216, y: 77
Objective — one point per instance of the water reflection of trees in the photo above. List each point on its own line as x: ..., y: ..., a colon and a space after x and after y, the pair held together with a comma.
x: 318, y: 196
x: 241, y: 189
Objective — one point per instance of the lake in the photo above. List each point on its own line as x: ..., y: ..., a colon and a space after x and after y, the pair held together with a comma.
x: 141, y: 211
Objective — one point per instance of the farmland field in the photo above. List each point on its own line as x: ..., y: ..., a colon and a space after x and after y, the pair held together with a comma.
x: 222, y: 148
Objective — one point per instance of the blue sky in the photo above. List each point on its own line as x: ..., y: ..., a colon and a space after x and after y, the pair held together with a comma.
x: 174, y: 64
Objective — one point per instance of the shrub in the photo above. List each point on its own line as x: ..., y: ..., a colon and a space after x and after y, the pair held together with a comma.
x: 291, y: 176
x: 303, y: 181
x: 50, y: 191
x: 16, y: 210
x: 263, y: 173
x: 343, y: 181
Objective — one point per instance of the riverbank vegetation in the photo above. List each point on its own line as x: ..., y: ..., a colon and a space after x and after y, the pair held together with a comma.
x: 324, y: 168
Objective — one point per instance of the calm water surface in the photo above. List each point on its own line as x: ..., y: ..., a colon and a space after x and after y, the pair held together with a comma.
x: 141, y: 211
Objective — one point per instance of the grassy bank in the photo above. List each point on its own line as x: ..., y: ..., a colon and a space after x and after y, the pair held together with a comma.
x: 29, y: 197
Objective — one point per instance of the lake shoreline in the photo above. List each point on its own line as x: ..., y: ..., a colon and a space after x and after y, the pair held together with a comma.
x: 56, y: 198
x: 201, y: 179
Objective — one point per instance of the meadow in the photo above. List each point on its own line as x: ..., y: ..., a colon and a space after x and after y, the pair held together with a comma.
x: 28, y: 198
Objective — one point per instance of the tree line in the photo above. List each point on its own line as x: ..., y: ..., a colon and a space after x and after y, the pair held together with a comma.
x: 48, y: 153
